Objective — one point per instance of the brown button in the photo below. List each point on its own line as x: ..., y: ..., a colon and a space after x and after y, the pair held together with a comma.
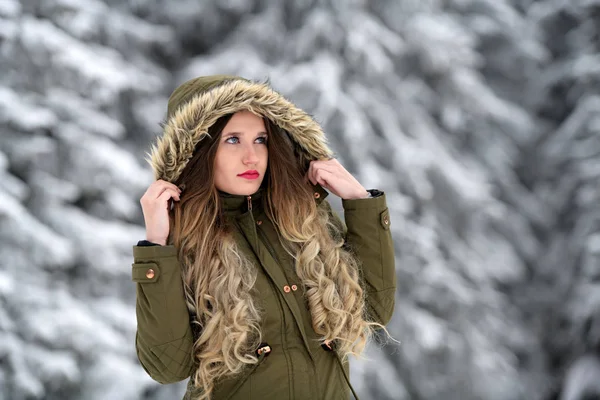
x: 294, y: 288
x: 259, y: 222
x: 317, y: 195
x: 150, y: 273
x: 286, y: 289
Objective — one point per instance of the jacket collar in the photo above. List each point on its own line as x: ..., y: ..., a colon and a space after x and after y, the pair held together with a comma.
x: 238, y: 204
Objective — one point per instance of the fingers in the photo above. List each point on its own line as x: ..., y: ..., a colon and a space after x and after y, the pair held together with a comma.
x: 158, y: 187
x: 166, y: 196
x: 312, y: 170
x: 160, y: 190
x: 330, y: 166
x: 175, y: 193
x: 322, y: 177
x: 309, y: 174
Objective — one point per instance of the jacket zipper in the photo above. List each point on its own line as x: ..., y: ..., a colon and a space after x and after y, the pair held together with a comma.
x: 283, y: 319
x: 249, y: 198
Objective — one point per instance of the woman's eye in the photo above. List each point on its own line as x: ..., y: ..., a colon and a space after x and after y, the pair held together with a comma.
x: 236, y: 140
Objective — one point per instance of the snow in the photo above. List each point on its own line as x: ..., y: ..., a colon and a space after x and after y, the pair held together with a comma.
x: 7, y: 286
x: 18, y: 111
x: 83, y: 113
x: 10, y: 8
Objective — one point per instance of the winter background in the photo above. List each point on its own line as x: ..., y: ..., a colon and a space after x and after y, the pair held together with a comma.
x: 480, y: 119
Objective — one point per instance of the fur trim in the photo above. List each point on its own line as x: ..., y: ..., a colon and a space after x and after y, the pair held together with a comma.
x: 189, y: 124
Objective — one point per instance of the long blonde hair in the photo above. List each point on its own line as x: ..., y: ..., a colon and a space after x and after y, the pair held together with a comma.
x: 218, y: 278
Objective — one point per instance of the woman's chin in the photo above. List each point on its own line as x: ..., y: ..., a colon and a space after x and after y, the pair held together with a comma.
x: 243, y: 189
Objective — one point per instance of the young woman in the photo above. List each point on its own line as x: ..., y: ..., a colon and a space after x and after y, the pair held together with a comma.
x: 248, y: 282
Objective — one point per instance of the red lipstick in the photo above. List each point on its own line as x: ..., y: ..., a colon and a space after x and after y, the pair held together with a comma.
x: 250, y: 174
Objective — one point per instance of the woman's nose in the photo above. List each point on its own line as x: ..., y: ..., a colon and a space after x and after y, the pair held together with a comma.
x: 250, y: 156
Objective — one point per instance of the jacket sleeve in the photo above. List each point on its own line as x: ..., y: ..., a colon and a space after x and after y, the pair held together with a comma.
x: 164, y: 336
x: 367, y: 235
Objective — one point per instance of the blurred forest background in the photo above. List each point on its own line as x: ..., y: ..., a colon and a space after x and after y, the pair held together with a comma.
x: 480, y: 119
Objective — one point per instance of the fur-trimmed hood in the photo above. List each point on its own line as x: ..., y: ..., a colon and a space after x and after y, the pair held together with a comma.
x: 197, y: 104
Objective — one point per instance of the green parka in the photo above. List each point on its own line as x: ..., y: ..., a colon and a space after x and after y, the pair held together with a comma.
x: 297, y: 367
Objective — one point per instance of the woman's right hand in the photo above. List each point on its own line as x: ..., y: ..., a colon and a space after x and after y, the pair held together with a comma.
x: 155, y: 207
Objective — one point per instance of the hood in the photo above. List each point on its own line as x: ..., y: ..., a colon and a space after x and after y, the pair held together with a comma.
x: 197, y: 104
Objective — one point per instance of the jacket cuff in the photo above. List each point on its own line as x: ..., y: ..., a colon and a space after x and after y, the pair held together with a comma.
x: 366, y: 203
x: 152, y: 252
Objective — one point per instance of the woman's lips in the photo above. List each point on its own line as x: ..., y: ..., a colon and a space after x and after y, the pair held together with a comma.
x: 249, y: 176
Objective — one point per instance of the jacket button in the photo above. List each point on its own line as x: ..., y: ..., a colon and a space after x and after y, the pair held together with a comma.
x: 294, y: 288
x: 386, y: 220
x: 317, y: 195
x: 286, y: 289
x: 259, y: 222
x: 264, y: 348
x: 150, y: 273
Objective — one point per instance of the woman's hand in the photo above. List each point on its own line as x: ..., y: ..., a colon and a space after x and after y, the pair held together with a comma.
x: 331, y: 175
x: 155, y: 207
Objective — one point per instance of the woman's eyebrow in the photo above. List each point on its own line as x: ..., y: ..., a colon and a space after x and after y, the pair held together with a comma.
x: 243, y: 133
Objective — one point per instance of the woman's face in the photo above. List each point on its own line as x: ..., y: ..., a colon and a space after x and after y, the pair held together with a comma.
x: 242, y: 149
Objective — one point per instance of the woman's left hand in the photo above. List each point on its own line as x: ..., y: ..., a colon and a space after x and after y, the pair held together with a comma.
x: 332, y: 176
